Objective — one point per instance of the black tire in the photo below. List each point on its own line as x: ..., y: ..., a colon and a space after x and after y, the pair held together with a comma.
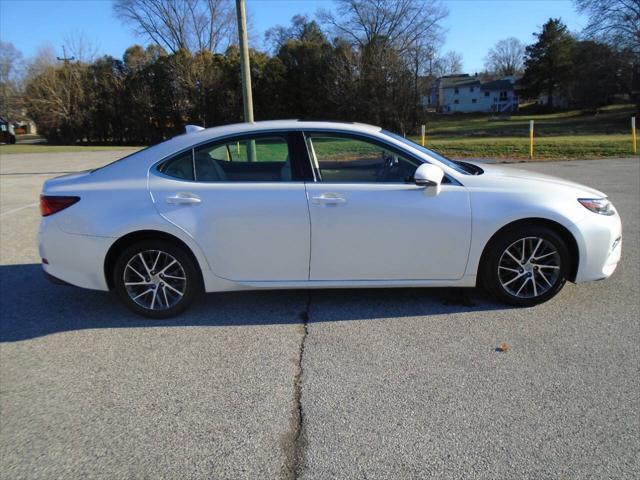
x: 190, y: 287
x: 494, y: 279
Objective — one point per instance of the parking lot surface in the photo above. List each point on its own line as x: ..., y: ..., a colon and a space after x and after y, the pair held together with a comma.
x: 328, y: 384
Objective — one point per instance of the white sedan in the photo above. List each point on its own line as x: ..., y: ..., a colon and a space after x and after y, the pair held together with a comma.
x: 295, y: 204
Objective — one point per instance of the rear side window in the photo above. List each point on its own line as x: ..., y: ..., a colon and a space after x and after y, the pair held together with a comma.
x: 261, y: 159
x: 180, y: 166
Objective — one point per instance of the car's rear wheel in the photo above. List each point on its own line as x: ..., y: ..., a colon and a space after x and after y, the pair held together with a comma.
x: 526, y: 266
x: 156, y: 279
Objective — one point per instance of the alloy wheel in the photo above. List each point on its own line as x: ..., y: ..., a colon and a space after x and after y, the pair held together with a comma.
x: 529, y: 267
x: 155, y: 280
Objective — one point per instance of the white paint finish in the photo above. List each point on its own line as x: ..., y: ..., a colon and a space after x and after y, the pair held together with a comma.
x: 596, y: 238
x: 76, y: 259
x: 248, y: 231
x: 266, y: 235
x: 389, y: 232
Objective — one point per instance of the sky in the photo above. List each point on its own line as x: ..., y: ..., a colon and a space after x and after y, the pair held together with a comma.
x: 472, y: 26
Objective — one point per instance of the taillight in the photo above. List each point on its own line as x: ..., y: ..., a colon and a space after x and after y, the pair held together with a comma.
x: 50, y: 204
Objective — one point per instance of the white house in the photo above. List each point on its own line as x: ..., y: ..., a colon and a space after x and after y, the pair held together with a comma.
x: 465, y: 93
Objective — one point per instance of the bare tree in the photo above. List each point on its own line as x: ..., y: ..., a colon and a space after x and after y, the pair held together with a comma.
x: 55, y: 100
x: 402, y: 24
x: 448, y: 64
x: 10, y: 85
x: 10, y: 61
x: 80, y: 47
x: 192, y: 25
x: 506, y: 57
x: 615, y: 21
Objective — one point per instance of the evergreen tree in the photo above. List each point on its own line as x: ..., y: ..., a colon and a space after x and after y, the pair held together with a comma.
x: 548, y: 61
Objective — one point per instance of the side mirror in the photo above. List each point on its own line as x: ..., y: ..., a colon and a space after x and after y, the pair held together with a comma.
x: 428, y: 175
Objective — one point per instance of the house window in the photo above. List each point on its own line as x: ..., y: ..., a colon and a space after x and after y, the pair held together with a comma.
x: 487, y: 93
x: 503, y: 95
x: 455, y: 90
x: 473, y: 100
x: 456, y: 101
x: 471, y: 89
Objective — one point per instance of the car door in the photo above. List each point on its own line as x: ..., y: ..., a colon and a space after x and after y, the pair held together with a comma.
x: 243, y: 201
x: 369, y: 221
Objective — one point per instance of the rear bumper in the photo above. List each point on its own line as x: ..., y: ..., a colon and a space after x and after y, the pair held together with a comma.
x: 55, y: 280
x: 599, y: 241
x: 73, y: 259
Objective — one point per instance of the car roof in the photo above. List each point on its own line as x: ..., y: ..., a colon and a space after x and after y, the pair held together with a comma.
x: 188, y: 140
x: 241, y: 128
x: 143, y: 159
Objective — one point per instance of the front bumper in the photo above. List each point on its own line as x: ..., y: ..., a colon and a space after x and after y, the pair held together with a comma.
x: 73, y: 259
x: 599, y: 239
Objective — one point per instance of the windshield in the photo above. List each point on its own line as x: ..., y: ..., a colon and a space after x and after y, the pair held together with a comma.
x: 458, y: 167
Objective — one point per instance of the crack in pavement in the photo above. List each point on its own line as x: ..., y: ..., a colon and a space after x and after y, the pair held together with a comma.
x: 295, y: 442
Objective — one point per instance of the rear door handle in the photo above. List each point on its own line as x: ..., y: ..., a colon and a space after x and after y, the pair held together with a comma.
x: 329, y: 199
x: 184, y: 199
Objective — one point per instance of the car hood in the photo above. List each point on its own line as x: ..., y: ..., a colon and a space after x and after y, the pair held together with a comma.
x: 499, y: 173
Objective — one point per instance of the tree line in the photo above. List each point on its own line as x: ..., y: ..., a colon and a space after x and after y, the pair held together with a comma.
x: 367, y: 60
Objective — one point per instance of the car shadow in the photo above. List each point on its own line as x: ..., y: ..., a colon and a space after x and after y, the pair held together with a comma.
x: 31, y: 307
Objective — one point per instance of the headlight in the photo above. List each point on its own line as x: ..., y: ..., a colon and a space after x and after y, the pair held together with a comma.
x: 598, y: 205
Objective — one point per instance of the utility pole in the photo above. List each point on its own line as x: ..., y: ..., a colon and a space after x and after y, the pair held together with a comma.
x: 244, y: 61
x: 245, y: 70
x: 64, y: 57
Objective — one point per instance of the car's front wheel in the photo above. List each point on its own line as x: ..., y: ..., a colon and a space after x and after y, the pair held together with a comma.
x: 526, y: 266
x: 156, y: 279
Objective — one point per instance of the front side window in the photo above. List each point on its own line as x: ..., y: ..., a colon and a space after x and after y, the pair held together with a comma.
x: 449, y: 163
x: 345, y: 159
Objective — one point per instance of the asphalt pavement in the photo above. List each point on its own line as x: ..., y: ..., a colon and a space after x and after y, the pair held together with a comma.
x: 403, y: 383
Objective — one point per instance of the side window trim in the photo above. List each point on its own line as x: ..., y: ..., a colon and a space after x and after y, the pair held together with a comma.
x: 193, y: 165
x: 312, y: 160
x: 289, y: 136
x: 301, y: 169
x: 357, y: 137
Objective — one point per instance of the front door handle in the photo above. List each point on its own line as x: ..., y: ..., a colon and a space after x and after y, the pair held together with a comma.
x: 184, y: 199
x: 329, y: 199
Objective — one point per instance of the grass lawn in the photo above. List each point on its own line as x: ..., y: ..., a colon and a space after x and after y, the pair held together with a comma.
x: 563, y: 135
x: 43, y: 148
x: 607, y: 120
x: 545, y: 148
